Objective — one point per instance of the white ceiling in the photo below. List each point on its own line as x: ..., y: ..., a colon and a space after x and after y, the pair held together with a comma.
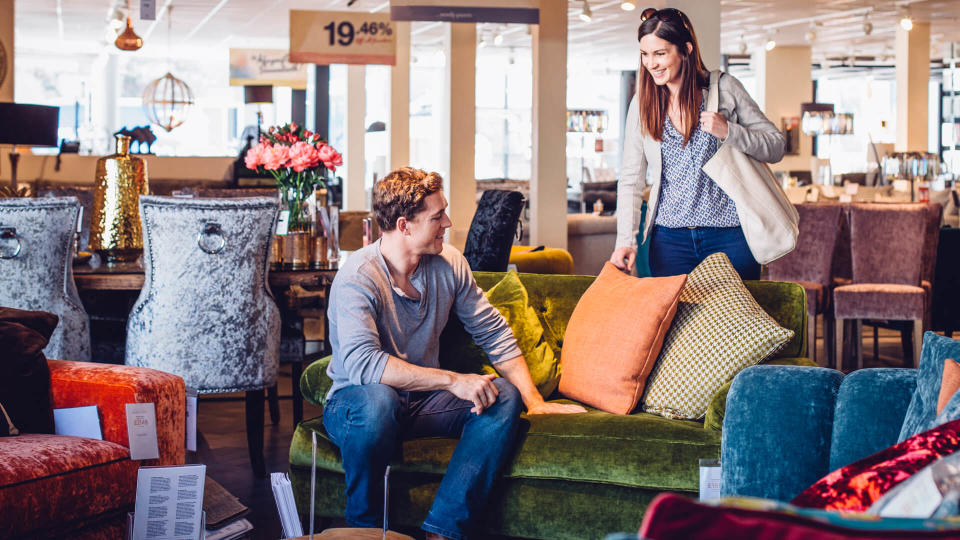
x: 205, y: 26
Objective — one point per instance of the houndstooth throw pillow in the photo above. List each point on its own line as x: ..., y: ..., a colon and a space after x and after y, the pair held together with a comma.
x: 719, y: 330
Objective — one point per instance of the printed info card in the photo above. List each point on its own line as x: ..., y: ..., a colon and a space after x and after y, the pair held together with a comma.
x: 169, y: 503
x: 142, y: 431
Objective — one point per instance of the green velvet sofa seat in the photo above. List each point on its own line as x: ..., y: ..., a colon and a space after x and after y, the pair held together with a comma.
x: 573, y: 476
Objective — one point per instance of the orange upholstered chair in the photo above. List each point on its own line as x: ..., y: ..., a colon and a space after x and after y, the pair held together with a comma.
x: 59, y: 486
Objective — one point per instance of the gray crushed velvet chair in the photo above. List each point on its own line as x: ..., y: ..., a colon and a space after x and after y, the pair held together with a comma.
x: 887, y: 244
x: 36, y: 269
x: 205, y: 312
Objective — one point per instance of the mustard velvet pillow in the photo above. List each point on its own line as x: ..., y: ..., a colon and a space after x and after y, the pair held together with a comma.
x: 510, y: 298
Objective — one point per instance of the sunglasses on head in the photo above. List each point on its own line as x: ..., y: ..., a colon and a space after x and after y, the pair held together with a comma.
x: 666, y: 15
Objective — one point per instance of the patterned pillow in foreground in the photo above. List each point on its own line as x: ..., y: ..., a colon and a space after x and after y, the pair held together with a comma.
x: 718, y: 331
x: 858, y: 485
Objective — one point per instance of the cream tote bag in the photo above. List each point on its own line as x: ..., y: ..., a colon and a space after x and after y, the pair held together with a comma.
x: 768, y: 219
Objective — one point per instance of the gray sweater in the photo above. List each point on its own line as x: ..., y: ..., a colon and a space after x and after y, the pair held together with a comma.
x: 370, y: 319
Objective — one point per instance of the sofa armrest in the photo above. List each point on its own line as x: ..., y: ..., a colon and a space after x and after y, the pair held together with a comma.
x: 717, y: 407
x: 314, y: 383
x: 111, y: 387
x: 777, y: 430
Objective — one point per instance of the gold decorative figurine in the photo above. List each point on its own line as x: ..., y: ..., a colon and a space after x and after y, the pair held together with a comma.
x: 115, y: 231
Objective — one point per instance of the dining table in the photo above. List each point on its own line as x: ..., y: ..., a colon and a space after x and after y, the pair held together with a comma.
x: 300, y: 294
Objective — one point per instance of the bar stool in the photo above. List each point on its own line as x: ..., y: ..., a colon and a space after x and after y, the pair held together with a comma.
x: 205, y: 312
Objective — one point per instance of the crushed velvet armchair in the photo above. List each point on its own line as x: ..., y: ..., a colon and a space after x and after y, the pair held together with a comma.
x: 73, y: 487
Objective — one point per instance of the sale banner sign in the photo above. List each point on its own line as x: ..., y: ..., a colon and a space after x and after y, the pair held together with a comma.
x: 342, y: 37
x: 266, y: 66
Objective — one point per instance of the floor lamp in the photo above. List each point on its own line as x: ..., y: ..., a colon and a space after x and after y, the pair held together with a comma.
x: 258, y: 95
x: 28, y: 125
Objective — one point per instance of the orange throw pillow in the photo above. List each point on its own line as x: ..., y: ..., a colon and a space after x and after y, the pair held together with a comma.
x: 614, y: 336
x: 949, y: 383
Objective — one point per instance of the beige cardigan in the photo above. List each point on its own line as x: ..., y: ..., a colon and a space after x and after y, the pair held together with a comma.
x: 749, y: 132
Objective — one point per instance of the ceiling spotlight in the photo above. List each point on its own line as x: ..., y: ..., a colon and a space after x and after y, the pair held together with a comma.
x: 743, y: 46
x: 811, y: 34
x: 483, y: 43
x: 867, y: 26
x: 628, y: 5
x: 906, y: 22
x: 586, y: 13
x: 771, y: 41
x: 498, y: 39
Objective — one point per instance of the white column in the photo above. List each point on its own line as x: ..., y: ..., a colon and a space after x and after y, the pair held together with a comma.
x: 784, y: 82
x: 399, y: 125
x: 6, y: 44
x: 913, y: 77
x: 705, y: 17
x: 460, y: 125
x: 354, y: 194
x: 548, y: 182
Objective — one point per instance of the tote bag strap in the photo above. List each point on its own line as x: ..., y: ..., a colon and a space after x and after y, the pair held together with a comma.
x: 713, y: 94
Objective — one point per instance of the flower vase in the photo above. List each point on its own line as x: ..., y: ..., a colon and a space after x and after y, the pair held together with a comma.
x: 297, y: 243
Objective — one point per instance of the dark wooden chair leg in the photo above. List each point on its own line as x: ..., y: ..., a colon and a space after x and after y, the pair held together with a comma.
x: 906, y: 342
x: 296, y: 370
x: 254, y: 417
x: 273, y: 399
x: 876, y: 343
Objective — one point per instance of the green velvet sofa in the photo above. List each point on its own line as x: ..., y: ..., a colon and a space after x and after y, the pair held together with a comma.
x: 573, y: 476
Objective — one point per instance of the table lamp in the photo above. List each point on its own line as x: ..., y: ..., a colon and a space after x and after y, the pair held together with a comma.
x: 29, y: 125
x: 258, y: 95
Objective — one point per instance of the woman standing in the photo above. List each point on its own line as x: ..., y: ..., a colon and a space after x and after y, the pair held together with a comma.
x: 669, y: 133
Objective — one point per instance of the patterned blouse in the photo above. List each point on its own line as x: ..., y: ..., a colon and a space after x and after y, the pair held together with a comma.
x: 688, y: 197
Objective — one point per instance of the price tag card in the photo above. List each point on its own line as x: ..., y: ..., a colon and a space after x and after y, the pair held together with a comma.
x: 142, y: 430
x: 342, y: 37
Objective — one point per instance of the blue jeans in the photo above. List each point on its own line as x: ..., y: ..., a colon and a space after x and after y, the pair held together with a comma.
x: 368, y: 422
x: 679, y: 251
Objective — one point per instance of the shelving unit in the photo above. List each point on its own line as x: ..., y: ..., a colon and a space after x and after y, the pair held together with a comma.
x: 584, y: 128
x: 950, y: 114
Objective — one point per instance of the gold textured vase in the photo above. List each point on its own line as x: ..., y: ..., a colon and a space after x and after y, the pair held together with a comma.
x: 115, y: 231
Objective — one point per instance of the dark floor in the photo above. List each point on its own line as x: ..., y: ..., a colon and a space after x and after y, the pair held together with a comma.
x: 223, y: 444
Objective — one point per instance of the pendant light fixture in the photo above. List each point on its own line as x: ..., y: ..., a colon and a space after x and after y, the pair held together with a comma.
x: 128, y: 40
x: 167, y: 101
x: 586, y: 14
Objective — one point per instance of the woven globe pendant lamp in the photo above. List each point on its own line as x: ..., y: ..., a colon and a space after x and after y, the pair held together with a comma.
x: 167, y: 101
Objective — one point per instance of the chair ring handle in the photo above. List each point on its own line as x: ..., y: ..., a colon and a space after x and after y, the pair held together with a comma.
x: 10, y: 242
x: 211, y: 239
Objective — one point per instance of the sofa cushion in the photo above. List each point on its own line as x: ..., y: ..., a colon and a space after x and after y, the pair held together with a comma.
x: 949, y: 383
x: 614, y: 337
x: 672, y: 516
x: 24, y: 375
x: 718, y: 331
x: 639, y: 450
x: 511, y: 300
x: 922, y: 411
x: 878, y: 300
x: 53, y: 479
x: 860, y: 484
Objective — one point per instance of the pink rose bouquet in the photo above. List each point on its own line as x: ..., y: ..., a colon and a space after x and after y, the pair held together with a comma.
x: 299, y: 160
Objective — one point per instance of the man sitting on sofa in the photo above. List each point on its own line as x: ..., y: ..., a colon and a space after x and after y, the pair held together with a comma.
x: 388, y: 305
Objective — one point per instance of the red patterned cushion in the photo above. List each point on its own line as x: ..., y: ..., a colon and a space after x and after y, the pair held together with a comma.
x: 48, y: 480
x: 856, y: 486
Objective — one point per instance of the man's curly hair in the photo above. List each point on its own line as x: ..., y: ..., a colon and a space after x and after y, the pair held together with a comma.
x: 401, y: 193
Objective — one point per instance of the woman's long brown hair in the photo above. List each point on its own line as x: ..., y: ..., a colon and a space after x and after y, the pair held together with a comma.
x: 673, y: 26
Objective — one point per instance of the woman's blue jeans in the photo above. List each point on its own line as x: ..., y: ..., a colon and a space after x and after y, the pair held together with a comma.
x: 679, y: 251
x: 368, y: 422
